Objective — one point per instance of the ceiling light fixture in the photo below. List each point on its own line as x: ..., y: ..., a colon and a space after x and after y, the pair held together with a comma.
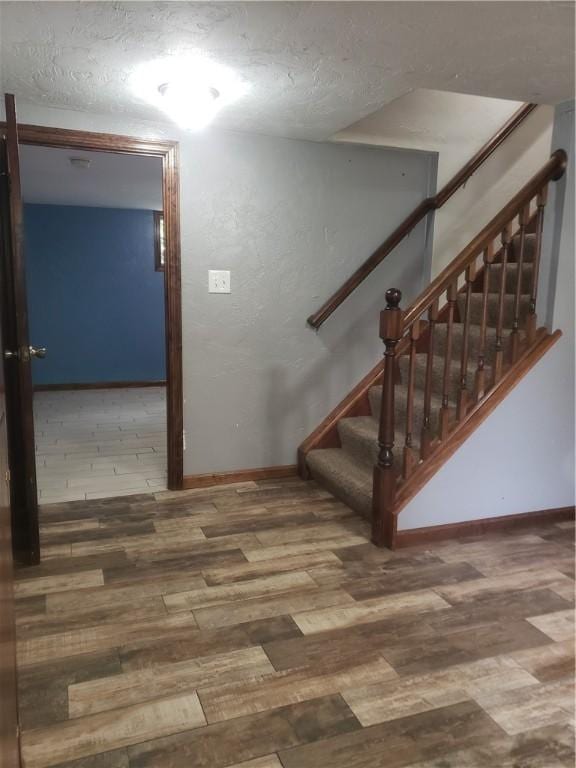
x: 190, y: 90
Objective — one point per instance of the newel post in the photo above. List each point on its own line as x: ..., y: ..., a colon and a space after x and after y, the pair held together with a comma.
x: 383, y: 521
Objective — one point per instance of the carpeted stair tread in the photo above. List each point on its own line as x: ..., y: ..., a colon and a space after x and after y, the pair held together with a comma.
x: 343, y: 475
x: 359, y: 437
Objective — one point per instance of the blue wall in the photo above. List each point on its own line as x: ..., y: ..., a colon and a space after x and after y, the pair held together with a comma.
x: 95, y: 300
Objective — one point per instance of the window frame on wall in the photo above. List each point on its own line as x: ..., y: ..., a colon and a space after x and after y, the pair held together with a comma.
x: 159, y: 241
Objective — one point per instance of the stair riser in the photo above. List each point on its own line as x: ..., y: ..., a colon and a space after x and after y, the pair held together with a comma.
x: 363, y: 449
x: 440, y: 342
x: 495, y: 280
x: 401, y: 402
x: 359, y: 502
x: 493, y: 310
x: 529, y: 249
x: 366, y: 450
x: 437, y: 376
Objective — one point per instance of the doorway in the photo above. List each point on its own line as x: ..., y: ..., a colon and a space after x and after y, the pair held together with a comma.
x: 94, y: 257
x: 148, y: 401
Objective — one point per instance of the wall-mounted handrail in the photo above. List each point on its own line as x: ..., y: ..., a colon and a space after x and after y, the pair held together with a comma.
x: 420, y: 212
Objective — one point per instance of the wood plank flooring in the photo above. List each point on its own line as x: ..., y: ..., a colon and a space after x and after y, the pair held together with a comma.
x: 255, y: 626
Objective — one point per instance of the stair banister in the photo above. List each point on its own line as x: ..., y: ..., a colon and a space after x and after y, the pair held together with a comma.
x: 524, y: 220
x: 401, y: 331
x: 505, y: 239
x: 463, y: 391
x: 421, y: 211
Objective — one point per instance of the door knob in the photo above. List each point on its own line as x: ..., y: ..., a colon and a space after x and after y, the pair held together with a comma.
x: 37, y: 351
x: 9, y: 354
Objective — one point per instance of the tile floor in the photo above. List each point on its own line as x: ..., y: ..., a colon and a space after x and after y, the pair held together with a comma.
x: 98, y: 443
x: 255, y: 626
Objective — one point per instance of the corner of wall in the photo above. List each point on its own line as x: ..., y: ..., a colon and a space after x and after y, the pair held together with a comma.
x: 557, y: 261
x: 427, y: 263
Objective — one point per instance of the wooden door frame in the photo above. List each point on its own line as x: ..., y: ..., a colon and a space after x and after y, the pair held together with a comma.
x: 168, y: 152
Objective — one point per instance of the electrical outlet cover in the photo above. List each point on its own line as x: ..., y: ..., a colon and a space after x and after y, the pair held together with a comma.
x: 218, y: 281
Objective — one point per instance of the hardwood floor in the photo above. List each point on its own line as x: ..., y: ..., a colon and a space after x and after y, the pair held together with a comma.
x: 254, y: 626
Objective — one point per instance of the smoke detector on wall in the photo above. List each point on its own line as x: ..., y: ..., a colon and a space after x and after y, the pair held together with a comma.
x: 80, y: 162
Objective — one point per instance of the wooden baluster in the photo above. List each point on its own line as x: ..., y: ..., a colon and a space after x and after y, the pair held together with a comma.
x: 445, y: 410
x: 426, y: 437
x: 463, y: 393
x: 524, y: 218
x: 531, y: 321
x: 383, y: 519
x: 499, y: 345
x: 480, y: 383
x: 409, y: 458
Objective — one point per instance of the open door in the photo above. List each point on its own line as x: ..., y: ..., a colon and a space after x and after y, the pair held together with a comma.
x: 17, y: 351
x: 9, y: 747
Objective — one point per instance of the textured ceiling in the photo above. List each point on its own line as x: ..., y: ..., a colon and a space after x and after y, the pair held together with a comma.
x: 312, y: 68
x: 111, y: 181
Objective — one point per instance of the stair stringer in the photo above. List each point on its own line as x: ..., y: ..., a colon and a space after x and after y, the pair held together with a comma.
x: 407, y: 514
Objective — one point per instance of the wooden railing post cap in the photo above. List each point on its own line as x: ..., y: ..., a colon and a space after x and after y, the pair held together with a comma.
x: 392, y: 318
x: 393, y: 298
x: 562, y: 159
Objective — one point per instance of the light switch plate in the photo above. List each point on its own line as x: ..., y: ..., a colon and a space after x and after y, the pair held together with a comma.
x: 218, y: 281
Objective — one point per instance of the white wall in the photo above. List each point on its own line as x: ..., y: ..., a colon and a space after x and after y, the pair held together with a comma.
x: 522, y: 457
x: 453, y: 124
x: 291, y: 219
x: 456, y: 126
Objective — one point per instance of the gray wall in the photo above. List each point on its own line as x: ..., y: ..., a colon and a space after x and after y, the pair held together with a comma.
x: 522, y: 457
x: 291, y: 220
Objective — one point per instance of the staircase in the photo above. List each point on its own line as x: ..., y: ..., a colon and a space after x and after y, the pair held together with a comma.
x: 449, y: 359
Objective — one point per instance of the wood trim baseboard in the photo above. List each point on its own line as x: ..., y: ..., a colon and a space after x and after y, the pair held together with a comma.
x: 414, y: 536
x: 239, y: 476
x: 98, y: 385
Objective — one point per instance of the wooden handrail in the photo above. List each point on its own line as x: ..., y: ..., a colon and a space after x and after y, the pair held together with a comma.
x: 420, y: 212
x: 551, y: 171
